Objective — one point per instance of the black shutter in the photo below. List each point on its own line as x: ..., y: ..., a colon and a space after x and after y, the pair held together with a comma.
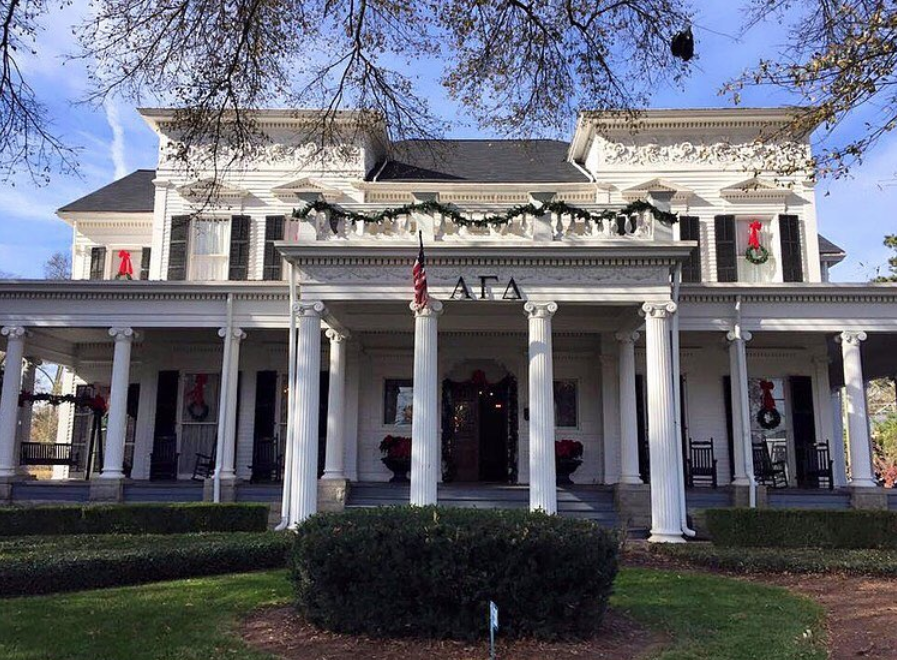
x: 239, y: 248
x: 726, y: 266
x: 274, y: 227
x: 97, y: 263
x: 792, y: 258
x: 145, y: 256
x: 177, y: 250
x: 644, y: 455
x: 690, y: 230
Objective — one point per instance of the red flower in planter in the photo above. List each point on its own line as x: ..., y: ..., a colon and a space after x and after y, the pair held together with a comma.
x: 568, y: 449
x: 396, y: 447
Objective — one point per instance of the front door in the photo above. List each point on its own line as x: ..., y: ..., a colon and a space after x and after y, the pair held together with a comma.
x: 803, y: 425
x: 479, y: 431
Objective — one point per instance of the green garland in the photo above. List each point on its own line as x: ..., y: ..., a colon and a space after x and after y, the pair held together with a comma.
x: 337, y: 214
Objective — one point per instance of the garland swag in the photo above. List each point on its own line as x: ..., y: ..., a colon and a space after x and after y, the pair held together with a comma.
x: 562, y: 208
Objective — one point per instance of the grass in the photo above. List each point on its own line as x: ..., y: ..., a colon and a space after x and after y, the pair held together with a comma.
x: 705, y: 616
x: 875, y: 563
x: 711, y: 617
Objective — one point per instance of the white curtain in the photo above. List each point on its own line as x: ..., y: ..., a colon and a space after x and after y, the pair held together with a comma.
x: 210, y: 242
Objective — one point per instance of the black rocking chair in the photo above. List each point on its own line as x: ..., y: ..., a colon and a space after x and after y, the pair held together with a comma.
x: 818, y: 466
x: 701, y: 464
x: 204, y: 466
x: 767, y: 471
x: 266, y: 463
x: 164, y: 459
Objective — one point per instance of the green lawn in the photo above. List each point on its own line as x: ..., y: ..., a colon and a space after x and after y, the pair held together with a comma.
x: 706, y: 617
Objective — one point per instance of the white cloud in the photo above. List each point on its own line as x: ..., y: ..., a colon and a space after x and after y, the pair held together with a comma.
x: 117, y: 146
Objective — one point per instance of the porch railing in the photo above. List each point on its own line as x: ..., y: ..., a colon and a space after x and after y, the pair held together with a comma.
x: 47, y: 453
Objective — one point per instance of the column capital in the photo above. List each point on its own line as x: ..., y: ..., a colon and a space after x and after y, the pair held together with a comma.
x: 13, y: 331
x: 851, y: 337
x: 123, y: 334
x: 336, y: 336
x: 237, y: 334
x: 430, y: 308
x: 627, y: 337
x: 735, y: 335
x: 540, y: 310
x: 659, y: 309
x: 309, y: 308
x: 33, y: 361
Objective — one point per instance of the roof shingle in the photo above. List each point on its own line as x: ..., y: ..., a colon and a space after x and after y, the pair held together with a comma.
x: 479, y: 161
x: 134, y: 193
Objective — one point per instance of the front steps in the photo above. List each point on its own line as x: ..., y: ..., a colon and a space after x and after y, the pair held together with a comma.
x: 589, y: 502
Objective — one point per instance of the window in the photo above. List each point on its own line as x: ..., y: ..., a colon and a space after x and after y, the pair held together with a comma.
x: 199, y: 418
x: 209, y: 247
x: 97, y: 263
x: 398, y: 397
x: 565, y: 404
x: 775, y: 432
x: 747, y: 271
x: 145, y: 256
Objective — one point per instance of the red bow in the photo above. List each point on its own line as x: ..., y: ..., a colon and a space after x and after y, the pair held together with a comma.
x: 754, y: 237
x: 768, y: 402
x: 198, y: 393
x: 125, y: 269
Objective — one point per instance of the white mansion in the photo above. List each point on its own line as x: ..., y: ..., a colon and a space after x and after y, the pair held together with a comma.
x: 699, y: 360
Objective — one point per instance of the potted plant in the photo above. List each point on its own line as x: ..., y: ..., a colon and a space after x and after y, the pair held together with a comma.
x: 567, y: 458
x: 396, y: 452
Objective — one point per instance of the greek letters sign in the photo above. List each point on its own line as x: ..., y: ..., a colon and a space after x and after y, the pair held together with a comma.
x: 487, y: 289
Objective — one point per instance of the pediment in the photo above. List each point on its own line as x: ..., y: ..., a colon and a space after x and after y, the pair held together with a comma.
x: 210, y: 189
x: 755, y: 188
x: 642, y: 190
x: 304, y: 186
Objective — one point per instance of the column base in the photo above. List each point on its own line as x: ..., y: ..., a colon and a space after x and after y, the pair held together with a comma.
x: 664, y: 537
x: 228, y: 492
x: 633, y: 504
x: 863, y: 483
x: 868, y: 498
x: 107, y: 490
x: 332, y: 494
x: 632, y: 480
x: 741, y: 495
x: 6, y: 489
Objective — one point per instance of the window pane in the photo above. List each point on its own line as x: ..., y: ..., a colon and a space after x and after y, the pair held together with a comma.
x: 565, y: 412
x: 209, y: 237
x: 398, y: 397
x: 747, y: 271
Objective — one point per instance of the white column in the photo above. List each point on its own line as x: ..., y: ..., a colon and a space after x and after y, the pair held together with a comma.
x: 628, y: 416
x: 743, y: 456
x: 304, y: 454
x: 861, y: 474
x: 425, y: 417
x: 9, y: 398
x: 663, y: 443
x: 542, y: 473
x: 117, y: 426
x: 839, y: 456
x: 335, y: 456
x: 230, y: 371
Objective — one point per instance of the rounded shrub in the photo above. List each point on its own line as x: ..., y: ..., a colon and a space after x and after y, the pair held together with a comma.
x: 423, y: 571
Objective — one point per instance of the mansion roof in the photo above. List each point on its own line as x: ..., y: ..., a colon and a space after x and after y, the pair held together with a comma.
x: 479, y: 161
x: 133, y: 193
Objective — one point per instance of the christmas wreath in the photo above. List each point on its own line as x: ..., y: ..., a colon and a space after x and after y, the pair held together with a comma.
x: 756, y: 253
x: 198, y: 409
x: 768, y: 417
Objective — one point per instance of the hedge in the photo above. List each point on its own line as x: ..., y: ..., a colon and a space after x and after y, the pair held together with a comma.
x: 802, y: 528
x: 29, y: 567
x: 423, y: 571
x: 878, y: 563
x: 133, y: 519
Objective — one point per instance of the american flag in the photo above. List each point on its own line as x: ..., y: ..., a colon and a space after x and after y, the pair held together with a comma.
x: 419, y: 276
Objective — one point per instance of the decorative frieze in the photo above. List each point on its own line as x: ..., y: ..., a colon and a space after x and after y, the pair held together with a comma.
x: 713, y: 152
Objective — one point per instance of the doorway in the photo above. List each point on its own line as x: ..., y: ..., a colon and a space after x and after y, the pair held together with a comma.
x: 479, y: 430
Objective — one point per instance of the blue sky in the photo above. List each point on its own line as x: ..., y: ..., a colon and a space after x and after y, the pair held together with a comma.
x: 854, y: 213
